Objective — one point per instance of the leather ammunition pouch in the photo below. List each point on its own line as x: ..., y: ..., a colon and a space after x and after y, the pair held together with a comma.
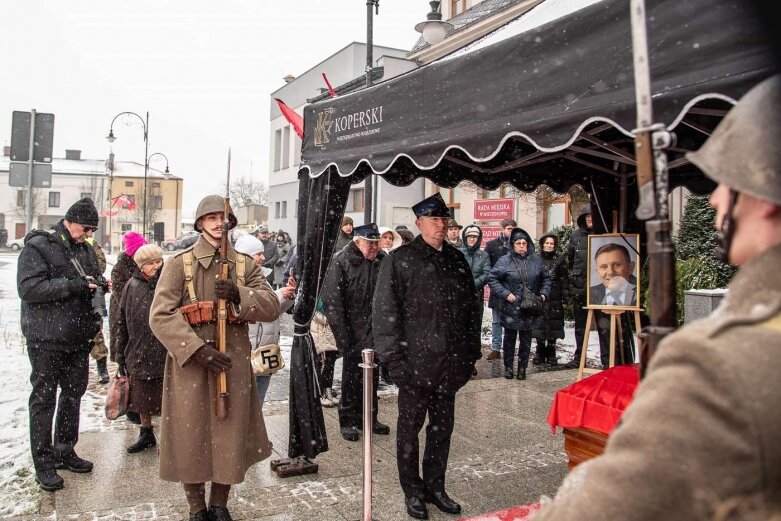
x: 205, y: 311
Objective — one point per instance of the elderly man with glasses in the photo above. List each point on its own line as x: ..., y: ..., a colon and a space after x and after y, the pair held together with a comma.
x: 57, y: 276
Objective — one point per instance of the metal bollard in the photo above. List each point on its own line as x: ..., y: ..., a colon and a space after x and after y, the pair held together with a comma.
x: 368, y: 366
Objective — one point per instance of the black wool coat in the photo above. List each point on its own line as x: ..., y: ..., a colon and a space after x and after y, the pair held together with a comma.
x: 551, y: 326
x: 347, y: 296
x: 56, y: 311
x: 426, y: 317
x: 138, y: 349
x: 121, y: 273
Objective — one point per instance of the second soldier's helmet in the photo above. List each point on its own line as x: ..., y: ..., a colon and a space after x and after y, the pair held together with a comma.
x: 744, y: 151
x: 212, y: 204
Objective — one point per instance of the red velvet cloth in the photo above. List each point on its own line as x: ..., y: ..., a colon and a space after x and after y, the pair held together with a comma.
x: 513, y: 514
x: 596, y: 402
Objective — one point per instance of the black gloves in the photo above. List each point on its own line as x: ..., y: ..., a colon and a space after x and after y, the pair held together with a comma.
x: 211, y: 359
x: 80, y: 286
x: 228, y: 290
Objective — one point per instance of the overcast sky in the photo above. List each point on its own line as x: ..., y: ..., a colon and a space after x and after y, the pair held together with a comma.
x: 203, y: 69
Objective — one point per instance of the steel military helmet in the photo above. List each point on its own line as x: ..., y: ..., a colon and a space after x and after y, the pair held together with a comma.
x: 212, y: 204
x: 743, y: 152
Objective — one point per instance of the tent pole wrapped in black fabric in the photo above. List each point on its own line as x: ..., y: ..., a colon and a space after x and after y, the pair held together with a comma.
x: 321, y: 203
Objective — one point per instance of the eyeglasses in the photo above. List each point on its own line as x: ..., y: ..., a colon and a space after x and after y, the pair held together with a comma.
x: 88, y: 229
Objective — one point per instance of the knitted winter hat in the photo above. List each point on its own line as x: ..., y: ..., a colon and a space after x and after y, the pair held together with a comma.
x: 83, y: 211
x: 147, y: 253
x: 133, y: 242
x: 249, y: 245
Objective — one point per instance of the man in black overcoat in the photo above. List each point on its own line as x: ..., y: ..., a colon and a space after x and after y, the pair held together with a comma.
x: 426, y: 323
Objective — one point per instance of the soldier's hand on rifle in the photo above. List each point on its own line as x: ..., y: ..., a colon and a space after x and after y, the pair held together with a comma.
x: 211, y: 359
x: 228, y: 290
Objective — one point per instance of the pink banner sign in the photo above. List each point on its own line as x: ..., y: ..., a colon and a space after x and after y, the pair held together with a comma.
x: 494, y: 209
x: 489, y: 233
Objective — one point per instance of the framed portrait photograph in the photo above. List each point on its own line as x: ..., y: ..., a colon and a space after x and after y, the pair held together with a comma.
x: 614, y: 271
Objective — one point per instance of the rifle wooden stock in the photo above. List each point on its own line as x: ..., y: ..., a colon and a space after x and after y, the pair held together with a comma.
x: 221, y: 403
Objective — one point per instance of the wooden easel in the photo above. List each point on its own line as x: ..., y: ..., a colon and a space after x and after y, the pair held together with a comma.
x: 615, y: 325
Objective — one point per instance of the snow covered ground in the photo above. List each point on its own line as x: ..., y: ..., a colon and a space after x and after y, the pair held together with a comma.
x: 18, y: 490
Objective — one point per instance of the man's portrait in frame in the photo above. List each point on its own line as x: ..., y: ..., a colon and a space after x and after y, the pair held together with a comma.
x: 613, y: 271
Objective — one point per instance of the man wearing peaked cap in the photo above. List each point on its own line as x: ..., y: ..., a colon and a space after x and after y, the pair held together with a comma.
x: 700, y: 438
x: 348, y: 292
x: 426, y: 324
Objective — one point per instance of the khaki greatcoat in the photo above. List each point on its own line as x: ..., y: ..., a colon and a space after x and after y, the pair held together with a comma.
x: 195, y: 446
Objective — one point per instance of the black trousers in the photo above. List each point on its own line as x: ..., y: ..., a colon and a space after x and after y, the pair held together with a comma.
x: 351, y: 399
x: 51, y: 369
x: 327, y: 369
x: 414, y: 405
x: 524, y: 338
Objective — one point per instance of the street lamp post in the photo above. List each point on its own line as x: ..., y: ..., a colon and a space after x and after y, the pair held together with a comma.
x: 434, y: 29
x: 369, y: 186
x: 111, y: 139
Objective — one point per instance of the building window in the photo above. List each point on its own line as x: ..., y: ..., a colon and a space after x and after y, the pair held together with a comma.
x: 286, y: 147
x: 54, y: 199
x: 457, y: 6
x: 155, y: 185
x: 295, y: 209
x: 157, y: 202
x: 296, y: 150
x: 284, y: 210
x: 276, y: 210
x: 277, y: 149
x: 20, y: 196
x: 129, y: 183
x: 126, y: 227
x: 358, y: 200
x: 86, y: 194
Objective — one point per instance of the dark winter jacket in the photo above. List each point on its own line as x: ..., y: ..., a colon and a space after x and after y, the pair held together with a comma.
x: 347, y: 296
x: 56, y: 312
x: 552, y: 325
x: 342, y: 240
x: 425, y: 319
x: 121, y: 273
x: 496, y: 249
x: 138, y: 349
x: 478, y: 260
x: 506, y: 277
x: 270, y: 253
x: 577, y: 255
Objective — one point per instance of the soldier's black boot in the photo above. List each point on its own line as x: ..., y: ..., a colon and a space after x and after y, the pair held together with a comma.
x: 145, y: 440
x: 202, y: 515
x: 219, y: 514
x: 102, y: 371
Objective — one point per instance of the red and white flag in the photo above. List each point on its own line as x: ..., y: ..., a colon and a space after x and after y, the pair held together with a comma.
x: 125, y: 201
x: 331, y: 90
x: 293, y: 117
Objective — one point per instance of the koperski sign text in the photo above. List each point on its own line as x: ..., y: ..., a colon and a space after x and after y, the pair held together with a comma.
x: 494, y: 209
x: 330, y: 128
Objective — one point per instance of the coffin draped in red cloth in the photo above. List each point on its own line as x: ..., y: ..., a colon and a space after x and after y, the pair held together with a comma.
x: 596, y: 402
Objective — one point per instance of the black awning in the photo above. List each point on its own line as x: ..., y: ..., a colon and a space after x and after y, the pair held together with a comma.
x: 552, y: 105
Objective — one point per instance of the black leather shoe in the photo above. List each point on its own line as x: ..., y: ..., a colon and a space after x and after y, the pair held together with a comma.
x: 201, y: 515
x: 350, y: 433
x: 572, y: 364
x: 443, y: 502
x: 102, y: 371
x: 219, y: 514
x: 416, y: 507
x: 521, y: 374
x: 74, y: 463
x: 380, y: 428
x: 145, y: 440
x: 508, y: 373
x: 49, y: 480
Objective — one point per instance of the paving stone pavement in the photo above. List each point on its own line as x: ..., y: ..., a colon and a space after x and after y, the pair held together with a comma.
x: 502, y: 454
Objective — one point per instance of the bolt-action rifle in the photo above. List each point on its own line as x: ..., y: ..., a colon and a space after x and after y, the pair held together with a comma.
x: 221, y: 404
x: 653, y: 186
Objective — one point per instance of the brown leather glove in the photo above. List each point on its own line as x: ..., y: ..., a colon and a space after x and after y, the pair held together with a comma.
x: 228, y: 290
x: 211, y: 359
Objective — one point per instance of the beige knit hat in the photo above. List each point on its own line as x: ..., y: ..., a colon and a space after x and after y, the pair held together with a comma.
x: 147, y: 253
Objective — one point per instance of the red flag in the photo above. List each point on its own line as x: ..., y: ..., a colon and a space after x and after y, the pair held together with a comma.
x: 109, y: 213
x: 331, y: 90
x: 125, y: 201
x: 292, y: 117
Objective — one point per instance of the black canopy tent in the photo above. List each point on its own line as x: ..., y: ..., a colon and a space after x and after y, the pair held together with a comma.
x: 553, y: 105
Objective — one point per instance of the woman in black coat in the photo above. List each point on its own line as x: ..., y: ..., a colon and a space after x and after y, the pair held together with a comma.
x: 551, y: 326
x: 520, y: 266
x: 140, y: 355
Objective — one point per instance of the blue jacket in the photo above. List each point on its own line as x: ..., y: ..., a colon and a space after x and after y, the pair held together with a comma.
x: 505, y: 278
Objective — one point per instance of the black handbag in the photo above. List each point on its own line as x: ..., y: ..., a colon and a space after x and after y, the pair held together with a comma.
x: 531, y: 304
